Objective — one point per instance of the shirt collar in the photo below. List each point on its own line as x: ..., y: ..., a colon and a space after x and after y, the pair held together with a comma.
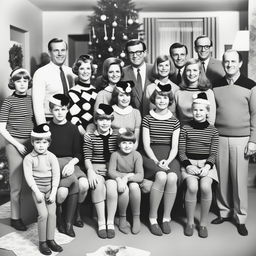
x: 142, y: 68
x: 234, y: 78
x: 167, y: 116
x: 34, y: 153
x: 97, y: 133
x: 122, y: 111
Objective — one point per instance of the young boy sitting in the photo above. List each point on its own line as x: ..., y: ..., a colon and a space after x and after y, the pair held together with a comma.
x: 66, y: 145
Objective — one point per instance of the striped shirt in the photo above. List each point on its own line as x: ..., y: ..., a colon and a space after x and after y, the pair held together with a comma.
x: 160, y: 131
x: 17, y: 112
x: 93, y: 147
x: 198, y: 141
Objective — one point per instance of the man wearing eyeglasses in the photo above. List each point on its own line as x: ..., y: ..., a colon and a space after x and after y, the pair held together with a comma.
x: 138, y: 71
x: 212, y: 67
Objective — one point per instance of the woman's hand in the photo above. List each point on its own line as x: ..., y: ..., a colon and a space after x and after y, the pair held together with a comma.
x: 51, y: 199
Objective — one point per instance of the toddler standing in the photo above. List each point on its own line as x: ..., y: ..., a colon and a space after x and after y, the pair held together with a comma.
x: 42, y: 173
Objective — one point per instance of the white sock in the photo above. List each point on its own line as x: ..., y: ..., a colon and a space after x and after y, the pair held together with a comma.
x: 166, y: 219
x: 152, y: 221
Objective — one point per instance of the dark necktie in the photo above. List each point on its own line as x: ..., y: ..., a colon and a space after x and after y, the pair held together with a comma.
x: 203, y: 64
x: 179, y: 76
x: 64, y: 82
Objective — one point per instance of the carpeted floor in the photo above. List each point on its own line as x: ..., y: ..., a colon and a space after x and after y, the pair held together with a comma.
x: 223, y: 239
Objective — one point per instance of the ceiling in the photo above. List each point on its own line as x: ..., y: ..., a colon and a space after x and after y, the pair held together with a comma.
x: 148, y: 5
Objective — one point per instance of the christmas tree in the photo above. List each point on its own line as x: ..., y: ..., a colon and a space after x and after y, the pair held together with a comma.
x: 114, y: 23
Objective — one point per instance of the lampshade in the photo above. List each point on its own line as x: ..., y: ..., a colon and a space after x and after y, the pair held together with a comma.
x: 241, y: 42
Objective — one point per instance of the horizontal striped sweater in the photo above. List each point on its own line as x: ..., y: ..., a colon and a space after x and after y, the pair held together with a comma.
x: 198, y: 141
x: 17, y: 112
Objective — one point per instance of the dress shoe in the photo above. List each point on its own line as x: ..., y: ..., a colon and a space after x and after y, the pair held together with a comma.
x: 44, y: 249
x: 102, y: 233
x: 156, y: 230
x: 54, y: 246
x: 242, y: 230
x: 18, y: 224
x: 79, y: 223
x: 166, y: 227
x: 220, y: 220
x: 69, y: 230
x: 203, y: 232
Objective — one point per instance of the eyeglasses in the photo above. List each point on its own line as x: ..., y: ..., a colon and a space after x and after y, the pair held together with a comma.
x: 137, y: 53
x: 201, y: 47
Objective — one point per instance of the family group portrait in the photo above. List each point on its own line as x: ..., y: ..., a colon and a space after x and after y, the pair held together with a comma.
x: 128, y: 128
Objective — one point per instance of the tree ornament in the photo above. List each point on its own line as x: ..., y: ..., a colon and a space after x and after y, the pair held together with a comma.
x: 99, y: 56
x: 137, y: 21
x: 93, y: 33
x: 125, y: 37
x: 103, y: 17
x: 97, y: 41
x: 115, y: 5
x: 113, y: 34
x: 110, y: 49
x: 130, y: 21
x: 90, y: 42
x: 114, y: 24
x: 122, y: 54
x: 105, y: 33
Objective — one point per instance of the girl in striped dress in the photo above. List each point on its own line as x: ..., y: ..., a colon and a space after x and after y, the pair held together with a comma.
x: 16, y: 124
x: 97, y: 148
x: 160, y: 130
x: 198, y: 148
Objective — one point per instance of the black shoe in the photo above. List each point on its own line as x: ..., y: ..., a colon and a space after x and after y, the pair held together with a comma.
x: 69, y: 230
x: 18, y: 224
x: 242, y: 230
x: 79, y: 223
x: 54, y: 246
x: 44, y: 249
x: 61, y: 226
x: 220, y: 220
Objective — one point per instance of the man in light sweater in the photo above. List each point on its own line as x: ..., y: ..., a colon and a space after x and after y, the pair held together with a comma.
x: 235, y: 97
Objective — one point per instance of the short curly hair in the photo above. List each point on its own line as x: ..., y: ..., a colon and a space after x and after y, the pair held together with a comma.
x: 106, y: 65
x: 86, y: 58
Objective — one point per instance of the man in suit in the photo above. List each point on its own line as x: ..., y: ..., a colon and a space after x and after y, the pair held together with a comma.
x: 178, y: 53
x: 53, y: 78
x: 213, y: 68
x: 235, y: 97
x: 138, y: 71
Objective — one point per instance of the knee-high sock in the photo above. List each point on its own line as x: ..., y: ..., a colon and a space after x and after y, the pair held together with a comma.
x: 205, y: 207
x: 169, y: 199
x: 100, y: 210
x: 154, y: 200
x: 190, y: 210
x: 71, y: 208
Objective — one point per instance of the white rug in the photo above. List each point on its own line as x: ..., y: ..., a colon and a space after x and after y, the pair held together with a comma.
x: 25, y: 243
x: 5, y: 210
x: 113, y: 250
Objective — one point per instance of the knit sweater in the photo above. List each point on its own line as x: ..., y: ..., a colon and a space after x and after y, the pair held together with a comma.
x: 198, y: 141
x: 121, y: 164
x: 236, y: 108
